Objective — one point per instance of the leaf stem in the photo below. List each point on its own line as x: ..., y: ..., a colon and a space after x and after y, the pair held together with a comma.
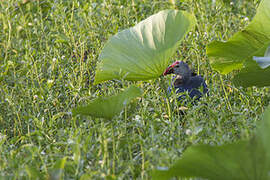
x: 163, y: 86
x: 226, y: 95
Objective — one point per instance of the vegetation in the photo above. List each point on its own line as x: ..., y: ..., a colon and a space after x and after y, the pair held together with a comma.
x: 241, y: 49
x: 245, y: 159
x: 49, y: 52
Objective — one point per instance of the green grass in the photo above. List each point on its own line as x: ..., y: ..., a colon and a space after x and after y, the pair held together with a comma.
x: 47, y: 60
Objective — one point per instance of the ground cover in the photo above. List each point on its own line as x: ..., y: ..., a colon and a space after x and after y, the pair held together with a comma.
x: 49, y: 51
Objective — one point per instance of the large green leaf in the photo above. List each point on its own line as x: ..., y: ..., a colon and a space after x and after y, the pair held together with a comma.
x: 255, y: 73
x: 228, y: 56
x: 143, y: 51
x: 248, y: 159
x: 108, y: 107
x: 264, y: 133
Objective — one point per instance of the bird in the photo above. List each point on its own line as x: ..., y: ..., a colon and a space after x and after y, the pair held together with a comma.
x: 185, y: 80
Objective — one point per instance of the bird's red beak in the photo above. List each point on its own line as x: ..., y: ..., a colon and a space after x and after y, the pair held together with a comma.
x: 169, y: 70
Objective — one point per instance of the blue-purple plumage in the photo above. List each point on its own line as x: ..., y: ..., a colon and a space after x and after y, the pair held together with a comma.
x: 186, y: 81
x: 193, y: 87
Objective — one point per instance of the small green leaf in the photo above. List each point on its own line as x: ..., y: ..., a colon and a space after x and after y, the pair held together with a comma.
x: 248, y: 159
x: 108, y: 107
x: 60, y: 164
x: 143, y: 51
x: 228, y: 56
x: 33, y: 172
x: 85, y: 177
x: 58, y: 168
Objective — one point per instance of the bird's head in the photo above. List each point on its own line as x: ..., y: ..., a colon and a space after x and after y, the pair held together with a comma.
x: 180, y: 69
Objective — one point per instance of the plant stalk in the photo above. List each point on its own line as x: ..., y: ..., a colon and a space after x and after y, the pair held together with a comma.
x: 226, y: 95
x: 169, y: 107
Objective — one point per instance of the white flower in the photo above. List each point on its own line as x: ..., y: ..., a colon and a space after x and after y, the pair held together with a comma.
x: 50, y: 81
x: 137, y: 118
x: 188, y: 132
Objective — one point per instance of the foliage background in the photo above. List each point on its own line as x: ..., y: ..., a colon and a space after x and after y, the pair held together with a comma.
x: 49, y: 50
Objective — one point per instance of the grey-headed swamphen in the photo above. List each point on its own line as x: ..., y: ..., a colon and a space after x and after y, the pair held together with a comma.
x: 185, y: 80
